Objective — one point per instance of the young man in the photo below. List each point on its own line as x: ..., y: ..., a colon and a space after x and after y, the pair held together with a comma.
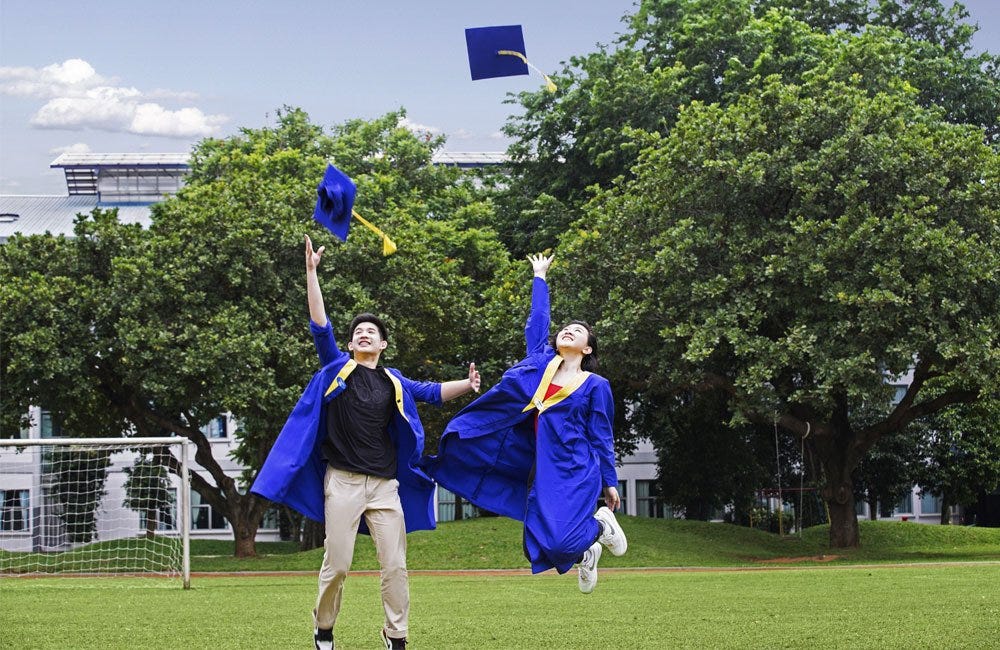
x: 347, y: 456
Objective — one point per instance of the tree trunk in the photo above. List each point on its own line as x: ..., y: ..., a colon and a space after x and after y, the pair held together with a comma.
x: 843, y: 525
x: 313, y: 535
x: 151, y: 523
x: 945, y: 511
x: 244, y: 515
x: 872, y: 506
x: 839, y: 457
x: 245, y: 534
x: 458, y: 508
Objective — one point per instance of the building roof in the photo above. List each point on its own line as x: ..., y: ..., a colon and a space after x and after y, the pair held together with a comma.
x: 157, y: 160
x: 469, y: 159
x: 36, y: 215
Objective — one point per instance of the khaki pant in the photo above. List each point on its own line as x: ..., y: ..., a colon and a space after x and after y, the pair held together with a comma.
x: 349, y: 496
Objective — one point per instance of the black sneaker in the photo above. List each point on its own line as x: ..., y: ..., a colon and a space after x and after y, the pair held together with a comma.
x: 391, y: 643
x: 323, y: 639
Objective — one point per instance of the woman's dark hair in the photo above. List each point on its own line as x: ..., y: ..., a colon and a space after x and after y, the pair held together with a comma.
x: 367, y: 318
x: 589, y: 362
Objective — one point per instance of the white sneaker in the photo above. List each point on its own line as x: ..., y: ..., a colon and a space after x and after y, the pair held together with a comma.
x: 613, y: 536
x: 588, y: 568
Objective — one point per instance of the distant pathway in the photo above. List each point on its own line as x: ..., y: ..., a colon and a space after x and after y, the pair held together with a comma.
x: 527, y: 572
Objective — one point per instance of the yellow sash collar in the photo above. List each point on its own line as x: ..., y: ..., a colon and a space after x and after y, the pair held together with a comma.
x: 341, y: 380
x: 538, y: 400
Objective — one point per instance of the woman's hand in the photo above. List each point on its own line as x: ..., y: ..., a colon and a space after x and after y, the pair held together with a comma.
x: 540, y: 264
x: 611, y: 498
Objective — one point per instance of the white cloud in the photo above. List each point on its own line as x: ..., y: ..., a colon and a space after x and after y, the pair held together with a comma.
x: 78, y: 147
x: 153, y: 119
x: 417, y: 128
x: 79, y: 98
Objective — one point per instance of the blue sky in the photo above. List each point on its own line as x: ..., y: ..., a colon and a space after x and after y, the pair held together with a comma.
x: 134, y: 76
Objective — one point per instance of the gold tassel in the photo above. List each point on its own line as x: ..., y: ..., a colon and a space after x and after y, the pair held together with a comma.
x: 549, y: 85
x: 388, y: 247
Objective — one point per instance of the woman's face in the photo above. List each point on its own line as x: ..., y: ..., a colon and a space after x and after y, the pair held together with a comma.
x: 573, y: 338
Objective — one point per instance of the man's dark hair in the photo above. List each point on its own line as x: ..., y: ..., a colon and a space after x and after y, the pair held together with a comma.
x: 589, y: 362
x: 368, y: 318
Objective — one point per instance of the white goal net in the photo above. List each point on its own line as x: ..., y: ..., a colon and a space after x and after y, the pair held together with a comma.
x: 98, y: 507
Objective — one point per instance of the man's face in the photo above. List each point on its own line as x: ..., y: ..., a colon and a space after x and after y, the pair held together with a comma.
x: 366, y: 339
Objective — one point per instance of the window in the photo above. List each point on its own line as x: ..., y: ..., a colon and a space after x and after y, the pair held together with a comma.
x: 446, y: 506
x: 216, y: 429
x: 14, y: 511
x: 930, y: 504
x: 622, y: 493
x: 648, y: 502
x: 50, y: 427
x: 166, y: 514
x: 904, y: 505
x: 204, y: 517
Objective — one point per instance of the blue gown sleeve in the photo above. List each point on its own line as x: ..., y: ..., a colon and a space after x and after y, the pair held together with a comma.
x: 600, y: 427
x: 326, y: 344
x: 536, y: 329
x: 422, y: 391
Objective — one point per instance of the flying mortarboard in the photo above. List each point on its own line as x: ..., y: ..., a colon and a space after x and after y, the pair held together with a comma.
x: 499, y: 52
x: 335, y: 207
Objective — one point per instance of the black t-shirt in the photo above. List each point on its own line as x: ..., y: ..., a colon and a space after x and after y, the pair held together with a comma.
x: 357, y: 425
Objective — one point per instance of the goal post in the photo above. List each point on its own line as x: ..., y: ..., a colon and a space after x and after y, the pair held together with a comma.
x: 95, y: 507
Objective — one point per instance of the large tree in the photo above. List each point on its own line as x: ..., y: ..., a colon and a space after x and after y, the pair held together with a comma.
x: 798, y: 250
x: 765, y: 170
x: 161, y: 330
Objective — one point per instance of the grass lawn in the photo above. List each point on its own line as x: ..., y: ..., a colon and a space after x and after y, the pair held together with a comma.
x: 939, y: 606
x: 946, y: 594
x: 495, y: 543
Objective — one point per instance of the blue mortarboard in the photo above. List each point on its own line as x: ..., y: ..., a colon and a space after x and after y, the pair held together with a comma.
x: 336, y: 202
x: 335, y: 207
x: 499, y: 52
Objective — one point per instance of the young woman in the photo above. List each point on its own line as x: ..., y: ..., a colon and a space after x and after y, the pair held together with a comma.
x: 538, y: 447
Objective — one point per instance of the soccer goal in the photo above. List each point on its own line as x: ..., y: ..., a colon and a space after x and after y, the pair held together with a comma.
x: 95, y: 507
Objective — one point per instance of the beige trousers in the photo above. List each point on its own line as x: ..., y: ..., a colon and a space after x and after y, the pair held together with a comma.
x: 348, y: 497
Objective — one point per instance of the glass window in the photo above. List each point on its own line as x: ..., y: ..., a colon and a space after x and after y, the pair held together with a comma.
x: 904, y: 505
x: 216, y: 429
x: 49, y: 426
x: 446, y: 506
x: 166, y: 514
x: 204, y: 517
x: 648, y: 502
x: 13, y: 510
x: 930, y: 504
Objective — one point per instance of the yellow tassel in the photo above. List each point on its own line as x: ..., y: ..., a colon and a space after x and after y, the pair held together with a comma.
x: 388, y: 247
x: 549, y: 85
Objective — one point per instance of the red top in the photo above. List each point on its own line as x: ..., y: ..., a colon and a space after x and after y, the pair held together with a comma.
x: 549, y: 392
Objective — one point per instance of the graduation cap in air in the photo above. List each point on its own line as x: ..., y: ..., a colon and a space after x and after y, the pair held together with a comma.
x: 335, y: 207
x: 499, y: 52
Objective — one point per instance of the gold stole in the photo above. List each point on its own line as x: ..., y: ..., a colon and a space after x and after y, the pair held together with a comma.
x: 349, y: 367
x: 550, y: 371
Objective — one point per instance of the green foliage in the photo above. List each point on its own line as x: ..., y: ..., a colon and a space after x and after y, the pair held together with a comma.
x: 162, y: 330
x: 76, y: 479
x: 675, y: 52
x: 960, y: 452
x: 801, y: 209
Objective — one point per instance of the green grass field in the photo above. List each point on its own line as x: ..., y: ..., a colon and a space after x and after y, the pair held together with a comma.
x: 948, y: 596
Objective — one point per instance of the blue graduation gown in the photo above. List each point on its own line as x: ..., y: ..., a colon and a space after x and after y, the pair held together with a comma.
x: 294, y: 469
x: 487, y: 452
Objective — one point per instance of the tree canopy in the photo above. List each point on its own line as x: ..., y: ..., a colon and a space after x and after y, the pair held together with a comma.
x: 156, y: 331
x: 804, y: 229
